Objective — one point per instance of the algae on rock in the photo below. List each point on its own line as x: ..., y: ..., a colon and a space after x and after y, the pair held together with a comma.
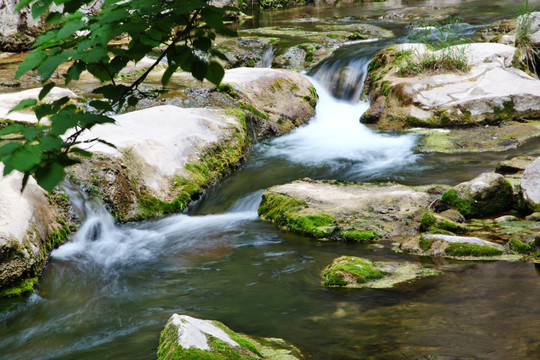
x: 188, y: 338
x: 350, y: 271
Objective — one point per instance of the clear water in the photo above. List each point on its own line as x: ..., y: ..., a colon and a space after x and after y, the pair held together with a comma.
x: 108, y: 293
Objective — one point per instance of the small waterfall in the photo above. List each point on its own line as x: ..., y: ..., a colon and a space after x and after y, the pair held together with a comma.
x: 335, y: 138
x: 266, y: 58
x: 99, y: 241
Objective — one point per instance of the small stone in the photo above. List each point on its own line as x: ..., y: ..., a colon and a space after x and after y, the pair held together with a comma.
x: 506, y: 218
x: 533, y: 217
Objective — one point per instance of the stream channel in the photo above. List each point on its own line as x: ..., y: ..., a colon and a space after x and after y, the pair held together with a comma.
x: 108, y: 292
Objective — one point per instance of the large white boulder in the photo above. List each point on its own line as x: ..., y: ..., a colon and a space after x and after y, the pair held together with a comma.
x: 28, y: 232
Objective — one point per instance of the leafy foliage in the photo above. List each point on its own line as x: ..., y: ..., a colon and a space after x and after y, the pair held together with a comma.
x: 181, y: 30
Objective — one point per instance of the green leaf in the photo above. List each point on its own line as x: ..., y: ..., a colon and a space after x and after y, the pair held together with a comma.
x: 40, y: 7
x: 215, y: 72
x: 81, y: 152
x: 30, y: 62
x: 12, y: 129
x: 30, y: 132
x: 25, y: 158
x: 132, y: 100
x: 64, y: 120
x: 50, y: 143
x: 50, y: 176
x: 212, y: 18
x: 75, y: 71
x: 87, y: 120
x: 46, y: 89
x: 46, y: 69
x: 202, y: 43
x: 24, y: 104
x: 93, y: 55
x: 22, y: 4
x: 101, y: 105
x: 9, y: 148
x: 69, y: 29
x: 53, y: 18
x: 168, y: 73
x: 198, y: 69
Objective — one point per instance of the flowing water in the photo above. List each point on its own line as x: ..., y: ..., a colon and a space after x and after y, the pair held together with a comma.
x: 108, y: 292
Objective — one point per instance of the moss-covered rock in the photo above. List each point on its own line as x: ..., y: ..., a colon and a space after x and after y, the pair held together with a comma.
x: 453, y: 246
x: 487, y: 194
x: 407, y: 90
x: 431, y: 222
x: 32, y: 224
x: 188, y: 338
x: 350, y: 271
x: 345, y: 211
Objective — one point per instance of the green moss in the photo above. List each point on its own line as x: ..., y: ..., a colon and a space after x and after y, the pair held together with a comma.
x: 427, y: 221
x: 168, y: 348
x: 507, y: 112
x: 227, y: 89
x: 309, y: 52
x: 386, y: 87
x: 284, y: 211
x: 465, y: 249
x: 22, y: 288
x: 254, y: 111
x: 360, y: 235
x: 214, y: 163
x: 362, y: 270
x: 452, y: 199
x: 333, y: 36
x: 425, y: 244
x: 357, y: 36
x: 518, y: 246
x: 435, y: 230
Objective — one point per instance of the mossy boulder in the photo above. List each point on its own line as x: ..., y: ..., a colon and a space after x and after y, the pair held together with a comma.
x: 189, y: 338
x: 281, y: 99
x: 345, y: 211
x: 164, y: 158
x: 404, y: 96
x: 431, y: 222
x: 32, y: 223
x: 454, y: 246
x: 353, y: 272
x: 514, y: 165
x: 487, y: 194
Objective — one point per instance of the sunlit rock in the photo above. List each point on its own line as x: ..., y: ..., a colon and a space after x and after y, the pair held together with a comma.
x: 186, y: 337
x: 31, y: 224
x: 345, y: 211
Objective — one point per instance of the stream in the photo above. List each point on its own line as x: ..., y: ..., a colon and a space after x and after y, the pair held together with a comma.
x: 108, y: 292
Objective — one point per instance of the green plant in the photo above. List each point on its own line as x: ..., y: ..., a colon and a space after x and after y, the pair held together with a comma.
x: 183, y: 29
x: 443, y: 53
x: 529, y: 54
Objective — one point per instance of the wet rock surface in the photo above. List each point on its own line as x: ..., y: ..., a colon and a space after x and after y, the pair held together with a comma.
x: 186, y: 337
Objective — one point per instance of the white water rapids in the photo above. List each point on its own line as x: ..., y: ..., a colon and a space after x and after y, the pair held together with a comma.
x: 334, y: 137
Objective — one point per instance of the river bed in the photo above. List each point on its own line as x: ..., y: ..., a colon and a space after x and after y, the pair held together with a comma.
x: 108, y: 293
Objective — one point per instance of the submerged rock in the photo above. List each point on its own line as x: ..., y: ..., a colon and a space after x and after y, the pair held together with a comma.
x: 514, y: 165
x: 32, y: 223
x: 345, y: 211
x: 186, y: 337
x: 352, y: 272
